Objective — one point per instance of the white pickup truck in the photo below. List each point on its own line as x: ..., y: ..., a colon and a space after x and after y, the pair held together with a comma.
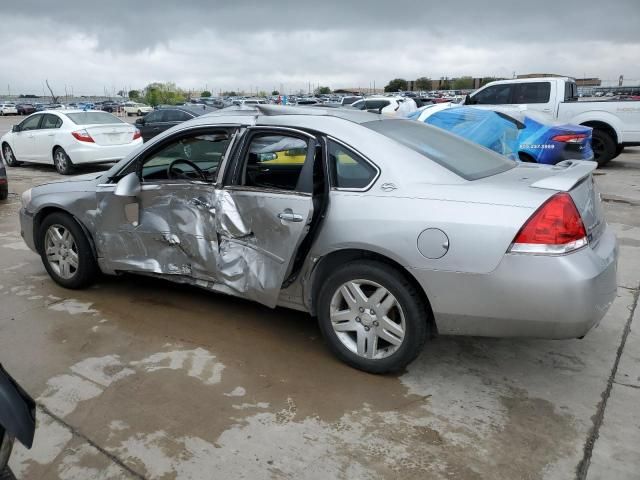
x: 615, y: 124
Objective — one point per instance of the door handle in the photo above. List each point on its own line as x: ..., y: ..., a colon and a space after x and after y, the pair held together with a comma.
x: 289, y: 216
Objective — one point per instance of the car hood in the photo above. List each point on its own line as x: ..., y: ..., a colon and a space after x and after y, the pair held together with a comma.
x: 80, y: 183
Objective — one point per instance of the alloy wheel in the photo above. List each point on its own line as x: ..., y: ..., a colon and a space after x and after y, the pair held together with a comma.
x: 367, y: 319
x: 61, y: 161
x: 61, y: 251
x: 8, y: 156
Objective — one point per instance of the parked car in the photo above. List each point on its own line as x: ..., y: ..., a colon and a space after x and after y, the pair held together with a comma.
x: 4, y: 182
x: 139, y: 109
x: 25, y: 108
x: 387, y: 229
x: 8, y: 109
x: 615, y: 125
x: 387, y: 105
x: 164, y: 118
x: 68, y: 138
x: 17, y: 419
x: 348, y: 100
x: 528, y: 136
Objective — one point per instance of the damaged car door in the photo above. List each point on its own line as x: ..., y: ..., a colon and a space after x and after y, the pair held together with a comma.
x: 264, y: 211
x: 159, y: 218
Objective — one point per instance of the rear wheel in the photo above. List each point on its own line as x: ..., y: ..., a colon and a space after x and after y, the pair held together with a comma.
x: 372, y: 317
x: 62, y: 162
x: 525, y: 157
x: 603, y: 146
x: 9, y: 157
x: 66, y: 252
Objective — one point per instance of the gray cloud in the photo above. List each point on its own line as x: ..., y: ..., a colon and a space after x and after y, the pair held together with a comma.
x: 240, y: 44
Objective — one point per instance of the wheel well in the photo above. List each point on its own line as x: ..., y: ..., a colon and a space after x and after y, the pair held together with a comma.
x: 603, y: 126
x: 45, y: 212
x: 53, y: 150
x: 329, y: 262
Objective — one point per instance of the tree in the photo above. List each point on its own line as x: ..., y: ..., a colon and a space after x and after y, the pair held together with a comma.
x: 163, y: 93
x: 275, y: 92
x: 229, y: 93
x: 463, y: 83
x: 395, y: 85
x: 445, y: 84
x: 423, y: 83
x: 205, y: 94
x: 322, y: 90
x: 54, y: 98
x: 134, y: 94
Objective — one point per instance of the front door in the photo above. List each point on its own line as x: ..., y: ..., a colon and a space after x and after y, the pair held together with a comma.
x: 168, y: 227
x: 43, y: 138
x: 23, y: 140
x: 264, y: 212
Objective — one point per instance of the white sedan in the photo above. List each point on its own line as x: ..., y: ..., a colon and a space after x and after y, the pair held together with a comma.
x: 8, y: 109
x: 69, y: 137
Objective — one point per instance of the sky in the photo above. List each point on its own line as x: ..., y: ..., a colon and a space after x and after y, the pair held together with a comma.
x: 89, y: 47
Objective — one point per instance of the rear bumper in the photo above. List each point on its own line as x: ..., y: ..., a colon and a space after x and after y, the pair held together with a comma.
x: 91, y: 153
x: 528, y: 295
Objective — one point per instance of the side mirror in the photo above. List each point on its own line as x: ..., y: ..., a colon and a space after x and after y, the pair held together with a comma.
x: 140, y: 121
x: 128, y: 186
x: 15, y: 128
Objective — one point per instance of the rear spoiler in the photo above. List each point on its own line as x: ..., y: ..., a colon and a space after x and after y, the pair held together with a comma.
x: 566, y: 175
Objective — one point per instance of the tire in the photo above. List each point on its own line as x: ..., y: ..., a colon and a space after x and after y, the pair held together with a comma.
x: 129, y: 114
x: 409, y: 314
x: 4, y: 192
x: 139, y: 113
x: 603, y: 145
x: 525, y: 157
x: 7, y: 474
x: 9, y: 157
x: 62, y: 162
x: 59, y: 251
x: 619, y: 150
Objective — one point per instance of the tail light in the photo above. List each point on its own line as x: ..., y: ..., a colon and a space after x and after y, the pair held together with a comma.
x: 137, y: 134
x: 556, y: 227
x: 569, y: 138
x: 83, y: 136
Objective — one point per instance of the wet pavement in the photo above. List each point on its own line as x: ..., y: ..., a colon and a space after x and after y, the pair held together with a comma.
x: 141, y: 378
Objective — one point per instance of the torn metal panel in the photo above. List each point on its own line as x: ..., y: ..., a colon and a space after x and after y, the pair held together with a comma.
x: 257, y: 241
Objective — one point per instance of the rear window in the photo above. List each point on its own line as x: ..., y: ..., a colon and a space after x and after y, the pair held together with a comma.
x: 92, y: 118
x: 466, y: 159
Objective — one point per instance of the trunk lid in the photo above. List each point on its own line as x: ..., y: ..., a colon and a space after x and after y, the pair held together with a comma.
x: 111, y: 134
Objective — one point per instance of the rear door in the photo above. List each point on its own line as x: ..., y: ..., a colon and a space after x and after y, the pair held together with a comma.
x: 264, y: 211
x: 43, y: 138
x: 539, y: 96
x: 151, y: 124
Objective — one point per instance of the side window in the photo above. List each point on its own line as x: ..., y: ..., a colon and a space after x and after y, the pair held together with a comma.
x: 205, y: 150
x: 31, y: 123
x: 274, y: 162
x: 51, y: 121
x: 154, y: 117
x: 360, y: 105
x: 535, y: 92
x: 348, y: 169
x: 495, y: 95
x: 176, y: 116
x: 570, y: 92
x: 377, y: 104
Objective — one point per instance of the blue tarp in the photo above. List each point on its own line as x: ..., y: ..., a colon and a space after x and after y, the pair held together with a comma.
x: 484, y: 127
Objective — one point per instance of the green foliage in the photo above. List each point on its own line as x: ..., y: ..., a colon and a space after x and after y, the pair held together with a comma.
x: 275, y: 92
x: 163, y: 94
x: 205, y: 94
x: 229, y: 93
x: 323, y: 90
x: 395, y: 85
x: 134, y: 94
x: 463, y: 83
x: 423, y: 83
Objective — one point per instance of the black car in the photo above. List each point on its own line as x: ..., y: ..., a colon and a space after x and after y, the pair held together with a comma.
x: 25, y: 108
x: 17, y: 419
x: 166, y: 117
x: 4, y: 183
x: 109, y: 106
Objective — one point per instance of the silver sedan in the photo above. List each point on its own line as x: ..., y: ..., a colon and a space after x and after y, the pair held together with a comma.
x: 388, y: 230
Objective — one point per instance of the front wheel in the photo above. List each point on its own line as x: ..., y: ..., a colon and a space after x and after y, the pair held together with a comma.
x: 9, y: 156
x: 66, y: 252
x: 62, y: 162
x: 603, y: 146
x: 372, y: 317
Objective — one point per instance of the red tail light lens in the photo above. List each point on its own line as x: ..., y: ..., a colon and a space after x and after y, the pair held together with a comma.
x: 570, y: 138
x: 556, y: 227
x: 83, y: 136
x: 137, y: 134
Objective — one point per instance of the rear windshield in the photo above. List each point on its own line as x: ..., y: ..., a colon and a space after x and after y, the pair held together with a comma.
x: 92, y: 118
x: 464, y: 158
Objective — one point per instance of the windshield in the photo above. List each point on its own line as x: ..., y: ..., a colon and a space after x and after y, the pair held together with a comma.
x: 466, y: 159
x: 93, y: 118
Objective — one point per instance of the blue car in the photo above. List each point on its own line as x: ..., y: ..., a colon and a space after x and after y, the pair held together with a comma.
x: 523, y: 136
